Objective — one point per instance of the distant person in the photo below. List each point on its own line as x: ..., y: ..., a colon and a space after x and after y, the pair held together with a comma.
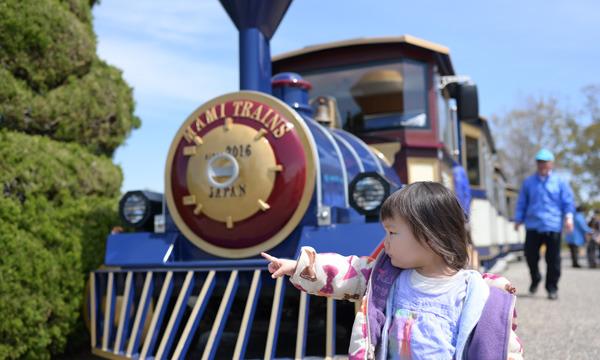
x: 461, y: 187
x: 577, y: 237
x: 545, y: 203
x: 593, y: 244
x: 418, y: 300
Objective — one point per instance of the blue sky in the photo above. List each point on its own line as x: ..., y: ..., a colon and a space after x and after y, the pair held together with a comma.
x: 178, y: 54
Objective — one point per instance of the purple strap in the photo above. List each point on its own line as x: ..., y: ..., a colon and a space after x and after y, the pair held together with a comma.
x: 490, y: 337
x: 382, y: 278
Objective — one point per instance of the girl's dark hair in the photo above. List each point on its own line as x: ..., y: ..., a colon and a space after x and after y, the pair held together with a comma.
x: 435, y: 218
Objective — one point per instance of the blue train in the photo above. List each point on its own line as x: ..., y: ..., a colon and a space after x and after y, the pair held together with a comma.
x: 302, y: 158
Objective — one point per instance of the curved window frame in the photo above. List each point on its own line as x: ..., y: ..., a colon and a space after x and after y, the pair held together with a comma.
x: 344, y: 121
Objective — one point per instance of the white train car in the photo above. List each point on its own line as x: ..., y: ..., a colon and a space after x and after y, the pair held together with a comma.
x: 493, y: 200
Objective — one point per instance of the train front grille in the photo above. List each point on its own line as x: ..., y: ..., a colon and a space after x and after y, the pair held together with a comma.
x: 207, y: 314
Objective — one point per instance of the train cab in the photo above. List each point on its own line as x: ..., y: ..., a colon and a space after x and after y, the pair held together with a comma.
x: 391, y: 93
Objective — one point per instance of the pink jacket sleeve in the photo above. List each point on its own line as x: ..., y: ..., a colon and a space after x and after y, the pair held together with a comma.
x: 332, y: 275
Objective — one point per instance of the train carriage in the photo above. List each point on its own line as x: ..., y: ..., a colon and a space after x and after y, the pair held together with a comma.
x: 302, y: 158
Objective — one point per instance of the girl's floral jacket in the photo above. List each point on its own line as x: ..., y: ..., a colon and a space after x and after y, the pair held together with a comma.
x: 487, y: 322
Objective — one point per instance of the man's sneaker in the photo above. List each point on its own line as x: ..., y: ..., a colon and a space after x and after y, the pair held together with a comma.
x: 552, y: 295
x: 533, y: 288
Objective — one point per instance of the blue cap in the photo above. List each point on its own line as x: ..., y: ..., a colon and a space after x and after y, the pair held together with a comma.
x: 544, y: 155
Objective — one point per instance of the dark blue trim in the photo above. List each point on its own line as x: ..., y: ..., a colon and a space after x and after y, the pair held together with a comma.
x: 136, y: 343
x: 221, y: 326
x: 478, y: 194
x: 502, y: 251
x: 485, y: 250
x: 516, y: 247
x: 179, y: 315
x: 304, y: 330
x: 251, y: 318
x: 196, y: 321
x: 161, y: 315
x: 278, y: 321
x: 219, y: 265
x: 128, y: 313
x: 111, y: 314
x: 97, y: 299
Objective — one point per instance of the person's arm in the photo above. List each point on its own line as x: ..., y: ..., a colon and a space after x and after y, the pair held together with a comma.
x: 580, y: 223
x: 567, y: 205
x: 522, y: 203
x: 332, y: 275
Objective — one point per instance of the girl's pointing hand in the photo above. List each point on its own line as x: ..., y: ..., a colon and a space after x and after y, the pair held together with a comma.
x: 279, y: 267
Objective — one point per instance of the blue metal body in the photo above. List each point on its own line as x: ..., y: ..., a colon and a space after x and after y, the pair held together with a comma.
x: 341, y: 156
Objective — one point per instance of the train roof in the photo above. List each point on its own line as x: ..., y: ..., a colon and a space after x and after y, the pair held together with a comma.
x: 441, y: 53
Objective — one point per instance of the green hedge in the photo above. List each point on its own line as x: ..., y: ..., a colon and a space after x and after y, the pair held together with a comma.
x: 47, y: 249
x: 58, y: 205
x: 95, y: 110
x: 35, y: 165
x: 63, y: 112
x: 45, y: 41
x: 51, y: 81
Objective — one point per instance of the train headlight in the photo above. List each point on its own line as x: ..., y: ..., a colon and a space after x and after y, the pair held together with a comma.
x: 367, y: 192
x: 138, y: 208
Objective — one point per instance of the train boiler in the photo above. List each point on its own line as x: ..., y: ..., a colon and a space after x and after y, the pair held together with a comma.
x: 247, y: 172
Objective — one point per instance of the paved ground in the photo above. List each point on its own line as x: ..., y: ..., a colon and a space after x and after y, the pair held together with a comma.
x: 567, y: 328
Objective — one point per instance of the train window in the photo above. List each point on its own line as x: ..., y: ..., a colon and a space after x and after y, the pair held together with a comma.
x: 472, y: 147
x: 510, y: 207
x: 376, y: 96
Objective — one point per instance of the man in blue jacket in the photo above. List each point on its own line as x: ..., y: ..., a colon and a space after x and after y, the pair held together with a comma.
x: 545, y: 203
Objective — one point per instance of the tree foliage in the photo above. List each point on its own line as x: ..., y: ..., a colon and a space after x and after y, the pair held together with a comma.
x: 543, y: 122
x: 94, y: 110
x: 585, y: 157
x: 58, y: 204
x: 51, y: 82
x: 63, y: 112
x: 45, y: 251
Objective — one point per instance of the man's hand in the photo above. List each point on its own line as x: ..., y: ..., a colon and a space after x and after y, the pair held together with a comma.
x: 279, y: 267
x: 569, y: 225
x: 517, y: 225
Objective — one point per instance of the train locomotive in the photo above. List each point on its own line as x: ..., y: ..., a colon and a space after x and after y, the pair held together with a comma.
x: 302, y: 158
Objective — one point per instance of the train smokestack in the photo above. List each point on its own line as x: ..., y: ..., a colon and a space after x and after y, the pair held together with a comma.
x: 256, y: 20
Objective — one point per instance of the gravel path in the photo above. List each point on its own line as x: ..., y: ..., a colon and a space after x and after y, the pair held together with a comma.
x: 567, y: 328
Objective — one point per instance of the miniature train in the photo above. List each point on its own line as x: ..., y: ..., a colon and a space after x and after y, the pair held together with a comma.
x: 302, y: 158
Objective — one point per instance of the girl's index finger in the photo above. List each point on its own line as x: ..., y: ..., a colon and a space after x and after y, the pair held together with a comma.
x: 269, y: 257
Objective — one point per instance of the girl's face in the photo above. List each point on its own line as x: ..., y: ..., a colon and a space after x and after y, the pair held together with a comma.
x: 403, y: 248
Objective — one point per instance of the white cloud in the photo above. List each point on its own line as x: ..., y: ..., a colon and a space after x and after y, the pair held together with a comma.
x: 181, y: 49
x: 158, y: 72
x: 181, y: 22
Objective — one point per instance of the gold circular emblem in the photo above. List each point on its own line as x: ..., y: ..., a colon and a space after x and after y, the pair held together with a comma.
x: 240, y: 174
x: 233, y: 174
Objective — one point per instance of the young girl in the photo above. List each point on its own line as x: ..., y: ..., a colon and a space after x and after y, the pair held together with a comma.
x: 418, y: 301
